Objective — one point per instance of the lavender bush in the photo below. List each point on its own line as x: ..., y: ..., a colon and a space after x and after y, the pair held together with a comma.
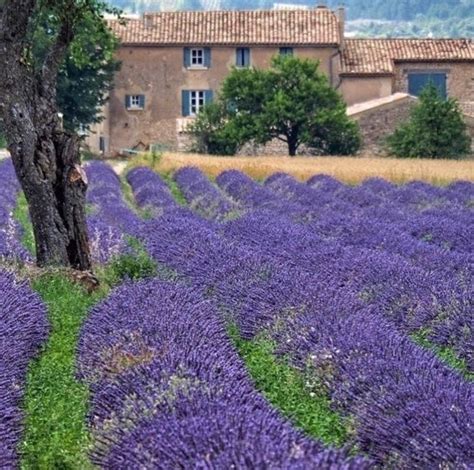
x: 169, y: 390
x: 23, y: 329
x: 202, y: 196
x: 340, y: 308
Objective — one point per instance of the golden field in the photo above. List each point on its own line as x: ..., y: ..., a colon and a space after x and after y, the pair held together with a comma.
x: 352, y: 170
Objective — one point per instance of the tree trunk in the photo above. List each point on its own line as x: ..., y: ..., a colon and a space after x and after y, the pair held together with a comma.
x: 293, y: 141
x: 292, y: 147
x: 46, y: 159
x: 55, y: 186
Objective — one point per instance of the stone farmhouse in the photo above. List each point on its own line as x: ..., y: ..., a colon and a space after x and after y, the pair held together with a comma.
x: 173, y: 63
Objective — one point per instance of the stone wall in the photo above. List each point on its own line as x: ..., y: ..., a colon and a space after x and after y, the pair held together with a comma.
x: 379, y: 118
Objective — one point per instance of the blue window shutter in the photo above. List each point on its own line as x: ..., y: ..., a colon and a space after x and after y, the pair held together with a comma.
x: 128, y: 101
x: 187, y: 57
x: 209, y: 96
x: 238, y: 61
x: 207, y: 57
x: 242, y: 57
x: 142, y: 101
x: 185, y: 103
x: 286, y: 50
x: 439, y: 80
x: 246, y: 57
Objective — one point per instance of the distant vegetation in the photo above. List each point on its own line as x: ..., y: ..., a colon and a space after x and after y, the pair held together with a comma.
x: 405, y: 17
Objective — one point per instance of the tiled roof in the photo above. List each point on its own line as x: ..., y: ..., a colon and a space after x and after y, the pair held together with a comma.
x: 378, y: 56
x: 318, y: 26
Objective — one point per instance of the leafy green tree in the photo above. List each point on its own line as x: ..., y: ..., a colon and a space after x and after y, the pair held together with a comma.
x: 291, y: 102
x: 212, y: 132
x: 86, y: 75
x: 436, y: 129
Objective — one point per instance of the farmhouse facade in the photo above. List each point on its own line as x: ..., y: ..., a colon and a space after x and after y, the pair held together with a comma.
x: 174, y: 63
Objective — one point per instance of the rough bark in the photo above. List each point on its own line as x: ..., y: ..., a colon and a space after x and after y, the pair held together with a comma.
x: 46, y: 159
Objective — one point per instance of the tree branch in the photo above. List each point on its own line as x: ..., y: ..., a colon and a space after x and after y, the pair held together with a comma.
x: 57, y: 52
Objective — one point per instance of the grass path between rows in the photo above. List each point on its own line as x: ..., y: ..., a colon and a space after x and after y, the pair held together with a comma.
x: 56, y: 403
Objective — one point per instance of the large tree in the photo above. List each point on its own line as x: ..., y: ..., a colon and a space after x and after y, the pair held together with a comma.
x: 292, y: 102
x: 46, y: 157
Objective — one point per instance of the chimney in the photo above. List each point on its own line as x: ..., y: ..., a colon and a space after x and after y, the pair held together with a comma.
x: 341, y: 17
x: 148, y: 20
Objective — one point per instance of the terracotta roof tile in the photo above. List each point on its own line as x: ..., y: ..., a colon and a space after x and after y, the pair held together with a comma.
x: 318, y: 26
x: 378, y: 56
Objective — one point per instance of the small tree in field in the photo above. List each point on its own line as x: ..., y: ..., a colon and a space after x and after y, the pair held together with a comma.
x: 436, y: 129
x: 291, y: 102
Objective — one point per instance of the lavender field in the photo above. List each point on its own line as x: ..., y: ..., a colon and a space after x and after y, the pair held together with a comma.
x: 362, y: 294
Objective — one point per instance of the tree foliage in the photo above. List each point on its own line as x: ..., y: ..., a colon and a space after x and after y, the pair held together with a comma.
x: 292, y: 101
x: 87, y: 72
x: 436, y: 129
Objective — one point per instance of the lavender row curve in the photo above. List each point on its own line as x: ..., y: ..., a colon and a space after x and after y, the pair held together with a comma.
x: 169, y: 390
x: 23, y: 329
x: 191, y: 247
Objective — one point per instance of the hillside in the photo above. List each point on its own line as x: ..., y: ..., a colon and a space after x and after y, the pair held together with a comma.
x: 438, y: 18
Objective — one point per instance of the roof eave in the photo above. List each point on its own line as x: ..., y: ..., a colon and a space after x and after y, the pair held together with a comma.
x: 227, y: 44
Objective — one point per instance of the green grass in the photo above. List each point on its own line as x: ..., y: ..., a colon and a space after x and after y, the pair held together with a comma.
x: 56, y: 404
x: 21, y: 214
x: 287, y: 390
x: 446, y: 354
x: 173, y: 187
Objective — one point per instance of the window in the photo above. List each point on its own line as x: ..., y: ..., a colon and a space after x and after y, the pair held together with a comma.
x: 102, y: 144
x: 135, y: 101
x: 195, y: 100
x: 197, y: 57
x: 419, y: 80
x: 242, y: 57
x: 198, y: 100
x: 286, y: 50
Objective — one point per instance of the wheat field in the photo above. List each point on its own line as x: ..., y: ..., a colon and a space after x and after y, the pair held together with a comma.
x: 351, y: 170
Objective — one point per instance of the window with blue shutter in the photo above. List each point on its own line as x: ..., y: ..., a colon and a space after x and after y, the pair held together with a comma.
x: 135, y: 101
x: 286, y: 51
x: 187, y: 57
x: 186, y: 103
x: 207, y: 57
x: 418, y: 81
x: 242, y: 57
x: 197, y: 57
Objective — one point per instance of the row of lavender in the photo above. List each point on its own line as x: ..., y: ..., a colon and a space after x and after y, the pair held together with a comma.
x: 410, y: 410
x: 10, y: 232
x: 378, y: 245
x: 168, y: 388
x: 111, y: 219
x: 23, y: 329
x: 431, y: 287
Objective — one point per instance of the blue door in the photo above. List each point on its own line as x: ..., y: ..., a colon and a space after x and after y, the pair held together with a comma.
x: 418, y: 81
